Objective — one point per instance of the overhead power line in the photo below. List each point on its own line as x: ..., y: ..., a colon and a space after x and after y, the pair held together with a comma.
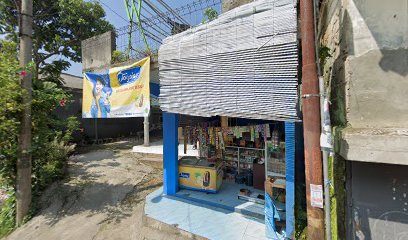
x: 150, y: 34
x: 159, y: 20
x: 173, y: 12
x: 156, y: 10
x: 117, y: 14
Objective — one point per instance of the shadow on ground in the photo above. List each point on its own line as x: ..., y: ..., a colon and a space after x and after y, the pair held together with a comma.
x: 102, y: 194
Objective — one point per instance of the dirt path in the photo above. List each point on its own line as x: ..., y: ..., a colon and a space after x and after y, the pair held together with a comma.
x: 102, y: 198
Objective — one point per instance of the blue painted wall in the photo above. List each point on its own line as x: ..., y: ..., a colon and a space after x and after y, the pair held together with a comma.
x: 170, y: 153
x: 290, y: 133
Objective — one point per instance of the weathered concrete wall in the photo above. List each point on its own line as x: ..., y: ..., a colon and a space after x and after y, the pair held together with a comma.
x: 378, y: 89
x: 377, y: 46
x: 376, y: 24
x: 72, y: 81
x: 379, y: 201
x: 97, y: 52
x: 370, y: 59
x: 368, y: 78
x: 375, y: 145
x: 231, y: 4
x: 368, y: 71
x: 332, y: 28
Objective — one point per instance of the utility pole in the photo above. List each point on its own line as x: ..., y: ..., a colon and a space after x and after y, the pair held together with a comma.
x: 146, y: 131
x: 23, y: 184
x: 311, y: 124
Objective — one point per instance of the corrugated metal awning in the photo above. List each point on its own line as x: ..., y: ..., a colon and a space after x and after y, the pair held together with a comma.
x: 243, y: 64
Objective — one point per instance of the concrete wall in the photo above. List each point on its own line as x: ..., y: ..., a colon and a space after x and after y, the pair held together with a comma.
x: 377, y: 46
x: 231, y: 4
x: 97, y: 52
x: 368, y: 78
x: 368, y: 75
x: 370, y: 59
x: 72, y: 81
x: 378, y: 201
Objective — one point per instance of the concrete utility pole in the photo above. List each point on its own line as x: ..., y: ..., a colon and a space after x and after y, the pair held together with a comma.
x: 146, y: 131
x: 23, y: 184
x: 311, y: 122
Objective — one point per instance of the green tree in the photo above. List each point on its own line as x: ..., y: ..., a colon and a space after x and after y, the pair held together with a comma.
x: 59, y: 27
x: 51, y: 136
x: 10, y: 107
x: 209, y: 15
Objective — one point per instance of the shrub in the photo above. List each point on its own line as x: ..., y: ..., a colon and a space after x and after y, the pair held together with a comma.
x: 7, y: 215
x: 50, y: 135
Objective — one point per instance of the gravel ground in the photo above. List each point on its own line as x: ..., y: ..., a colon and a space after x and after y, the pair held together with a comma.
x: 101, y: 198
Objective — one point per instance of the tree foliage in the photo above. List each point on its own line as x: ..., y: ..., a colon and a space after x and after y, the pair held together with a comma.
x: 59, y: 27
x: 50, y: 135
x: 10, y: 108
x: 209, y: 14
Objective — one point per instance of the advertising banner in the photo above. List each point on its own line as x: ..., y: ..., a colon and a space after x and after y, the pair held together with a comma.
x: 120, y: 93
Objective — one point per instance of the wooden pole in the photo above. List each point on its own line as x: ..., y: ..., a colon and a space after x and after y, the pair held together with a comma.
x: 23, y: 182
x: 311, y: 122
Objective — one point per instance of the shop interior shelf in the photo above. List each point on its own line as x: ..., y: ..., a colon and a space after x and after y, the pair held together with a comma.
x: 276, y: 162
x: 231, y: 160
x: 248, y: 148
x: 274, y: 174
x: 244, y: 155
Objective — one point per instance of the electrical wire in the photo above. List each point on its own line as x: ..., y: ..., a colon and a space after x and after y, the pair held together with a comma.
x: 150, y: 34
x: 173, y: 12
x: 117, y: 14
x: 149, y: 23
x: 154, y: 17
x: 159, y: 20
x: 157, y: 11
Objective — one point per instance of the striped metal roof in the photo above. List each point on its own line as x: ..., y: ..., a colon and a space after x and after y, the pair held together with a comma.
x: 243, y: 64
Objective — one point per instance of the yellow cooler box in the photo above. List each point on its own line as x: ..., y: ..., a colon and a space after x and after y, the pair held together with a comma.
x: 199, y: 174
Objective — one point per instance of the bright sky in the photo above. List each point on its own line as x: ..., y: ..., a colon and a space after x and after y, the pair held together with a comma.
x: 119, y: 7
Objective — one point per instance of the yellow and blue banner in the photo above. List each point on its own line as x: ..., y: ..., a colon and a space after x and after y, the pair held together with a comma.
x: 120, y: 93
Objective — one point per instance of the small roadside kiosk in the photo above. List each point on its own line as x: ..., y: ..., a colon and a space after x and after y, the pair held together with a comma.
x: 239, y: 72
